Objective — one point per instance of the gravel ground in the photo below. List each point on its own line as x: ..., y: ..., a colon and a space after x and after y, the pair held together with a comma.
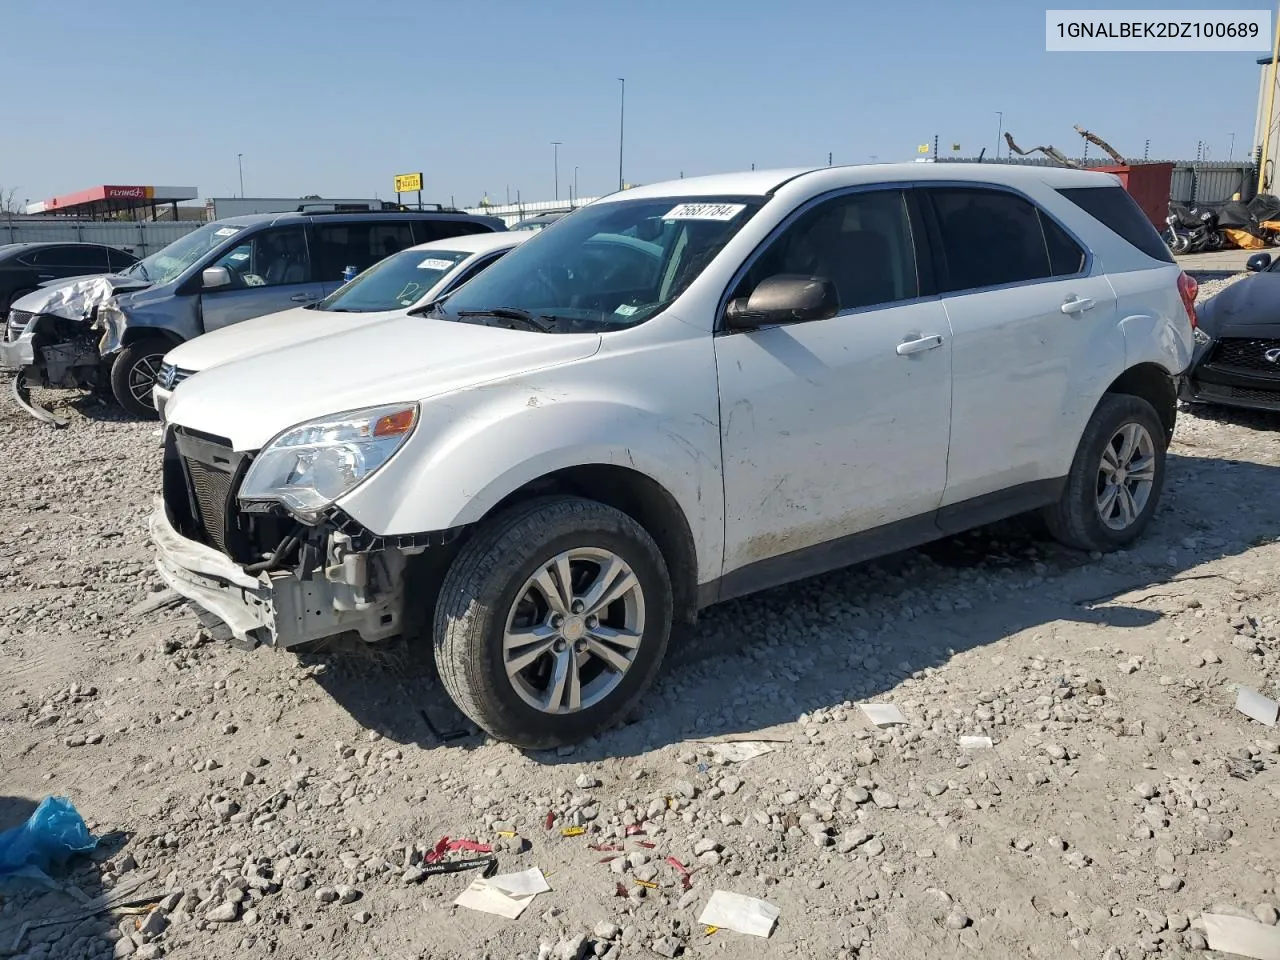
x: 281, y: 805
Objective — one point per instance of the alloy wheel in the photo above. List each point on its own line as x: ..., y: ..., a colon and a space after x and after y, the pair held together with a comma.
x: 574, y: 630
x: 1126, y: 476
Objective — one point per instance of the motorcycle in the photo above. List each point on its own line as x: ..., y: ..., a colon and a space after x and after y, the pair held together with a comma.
x: 1192, y: 229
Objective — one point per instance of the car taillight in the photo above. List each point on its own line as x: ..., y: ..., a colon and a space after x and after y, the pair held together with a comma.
x: 1187, y: 289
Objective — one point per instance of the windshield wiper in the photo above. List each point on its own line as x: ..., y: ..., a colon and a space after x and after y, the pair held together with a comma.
x: 542, y: 324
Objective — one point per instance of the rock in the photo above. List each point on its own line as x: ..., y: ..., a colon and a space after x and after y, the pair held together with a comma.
x: 153, y: 924
x: 587, y: 782
x: 604, y: 930
x: 571, y: 949
x: 666, y: 947
x: 685, y: 789
x: 326, y: 895
x: 223, y: 913
x: 731, y: 785
x: 956, y: 920
x: 1145, y: 790
x: 346, y: 894
x: 1170, y: 883
x: 413, y: 875
x: 123, y: 948
x: 362, y: 916
x: 1056, y: 751
x: 149, y: 951
x: 1022, y: 845
x: 851, y: 840
x: 1266, y: 913
x: 706, y: 845
x: 873, y: 847
x: 884, y: 799
x: 1195, y: 940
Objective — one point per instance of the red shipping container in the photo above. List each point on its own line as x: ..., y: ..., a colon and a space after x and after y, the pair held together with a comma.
x: 1149, y: 184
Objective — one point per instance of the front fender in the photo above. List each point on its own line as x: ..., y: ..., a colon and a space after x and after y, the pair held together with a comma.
x: 478, y: 454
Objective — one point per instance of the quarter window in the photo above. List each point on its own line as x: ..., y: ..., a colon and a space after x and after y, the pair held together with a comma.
x: 990, y: 237
x: 72, y: 258
x: 359, y: 245
x: 861, y: 242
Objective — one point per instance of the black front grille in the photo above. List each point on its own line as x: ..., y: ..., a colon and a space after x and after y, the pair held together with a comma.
x: 18, y: 320
x: 1244, y: 395
x: 1248, y: 355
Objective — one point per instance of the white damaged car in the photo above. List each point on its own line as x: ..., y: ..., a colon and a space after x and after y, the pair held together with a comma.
x: 679, y: 394
x: 389, y: 289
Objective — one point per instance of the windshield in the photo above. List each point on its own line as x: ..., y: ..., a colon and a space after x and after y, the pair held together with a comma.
x: 401, y: 280
x: 607, y: 266
x: 168, y: 264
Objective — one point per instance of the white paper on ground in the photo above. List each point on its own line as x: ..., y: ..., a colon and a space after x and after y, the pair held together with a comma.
x: 740, y: 750
x: 975, y: 743
x: 733, y: 911
x: 882, y: 714
x: 1245, y: 938
x: 1253, y: 704
x: 480, y: 896
x: 523, y: 884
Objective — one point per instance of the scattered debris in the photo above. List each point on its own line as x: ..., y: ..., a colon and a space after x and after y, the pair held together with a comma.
x: 1255, y: 705
x: 733, y: 911
x: 507, y: 895
x: 739, y: 751
x: 53, y: 833
x: 1245, y: 938
x: 975, y: 743
x: 883, y: 714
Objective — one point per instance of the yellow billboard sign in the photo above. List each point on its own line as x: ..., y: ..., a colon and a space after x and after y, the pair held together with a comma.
x: 923, y: 148
x: 408, y: 182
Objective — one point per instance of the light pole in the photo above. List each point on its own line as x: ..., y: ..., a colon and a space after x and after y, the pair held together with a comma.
x: 575, y: 183
x: 999, y: 131
x: 240, y: 164
x: 555, y: 147
x: 1231, y: 149
x: 622, y: 116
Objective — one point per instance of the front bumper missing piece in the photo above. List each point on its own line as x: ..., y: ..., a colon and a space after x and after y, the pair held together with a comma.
x: 276, y: 608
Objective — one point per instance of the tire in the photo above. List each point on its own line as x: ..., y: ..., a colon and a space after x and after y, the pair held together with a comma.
x: 1077, y: 519
x: 489, y: 586
x: 139, y: 360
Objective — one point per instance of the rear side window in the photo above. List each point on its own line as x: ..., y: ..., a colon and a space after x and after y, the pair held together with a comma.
x: 1116, y: 210
x: 990, y: 237
x: 358, y: 244
x: 119, y: 259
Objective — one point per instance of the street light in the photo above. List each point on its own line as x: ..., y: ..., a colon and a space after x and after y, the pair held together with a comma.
x: 999, y: 132
x: 555, y: 146
x: 622, y: 114
x: 575, y: 183
x: 1232, y: 149
x: 240, y: 164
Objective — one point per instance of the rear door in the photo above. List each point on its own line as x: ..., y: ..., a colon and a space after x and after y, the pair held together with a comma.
x: 271, y: 270
x: 1035, y: 330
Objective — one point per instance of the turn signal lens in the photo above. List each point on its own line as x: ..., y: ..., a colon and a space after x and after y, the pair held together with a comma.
x: 395, y: 424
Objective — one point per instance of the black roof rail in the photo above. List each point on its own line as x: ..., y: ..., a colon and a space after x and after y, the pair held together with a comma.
x: 374, y: 210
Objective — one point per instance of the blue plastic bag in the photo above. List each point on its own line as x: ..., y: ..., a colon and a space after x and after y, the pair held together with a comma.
x: 52, y: 834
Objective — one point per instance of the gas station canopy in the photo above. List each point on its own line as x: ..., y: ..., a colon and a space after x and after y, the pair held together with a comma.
x: 108, y: 202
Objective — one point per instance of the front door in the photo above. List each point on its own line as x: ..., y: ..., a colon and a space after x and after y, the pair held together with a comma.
x: 270, y: 271
x: 1036, y: 341
x: 834, y: 427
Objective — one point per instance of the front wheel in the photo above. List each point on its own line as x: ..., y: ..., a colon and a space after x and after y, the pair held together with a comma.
x: 133, y: 375
x: 552, y: 621
x: 1116, y: 478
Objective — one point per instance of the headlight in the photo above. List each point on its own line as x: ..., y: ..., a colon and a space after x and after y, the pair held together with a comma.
x: 311, y: 465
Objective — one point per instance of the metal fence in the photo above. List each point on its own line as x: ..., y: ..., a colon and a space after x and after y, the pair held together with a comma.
x: 1194, y: 181
x: 141, y: 238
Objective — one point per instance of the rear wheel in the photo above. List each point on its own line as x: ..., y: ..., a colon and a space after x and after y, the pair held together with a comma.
x: 1116, y: 478
x: 552, y: 621
x: 133, y: 375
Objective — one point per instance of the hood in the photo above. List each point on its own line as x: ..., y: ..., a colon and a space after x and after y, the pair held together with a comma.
x: 269, y: 332
x: 1244, y: 306
x: 77, y: 297
x: 250, y: 400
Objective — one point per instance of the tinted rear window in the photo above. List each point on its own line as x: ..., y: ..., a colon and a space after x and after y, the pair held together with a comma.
x: 1114, y: 208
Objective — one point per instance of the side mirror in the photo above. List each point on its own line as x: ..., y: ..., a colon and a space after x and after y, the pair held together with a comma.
x: 783, y: 298
x: 1258, y: 262
x: 214, y: 277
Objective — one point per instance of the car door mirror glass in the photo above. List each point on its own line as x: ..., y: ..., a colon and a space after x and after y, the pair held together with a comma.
x: 1258, y: 262
x: 783, y: 298
x: 215, y: 277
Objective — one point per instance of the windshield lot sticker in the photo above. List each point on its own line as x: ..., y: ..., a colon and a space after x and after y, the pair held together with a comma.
x: 238, y: 256
x: 227, y: 232
x: 431, y: 263
x: 704, y: 211
x: 626, y: 310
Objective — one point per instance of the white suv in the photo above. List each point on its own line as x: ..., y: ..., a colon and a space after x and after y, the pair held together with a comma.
x: 679, y: 394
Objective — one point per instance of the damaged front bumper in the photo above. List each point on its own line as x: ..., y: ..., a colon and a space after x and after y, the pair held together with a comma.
x: 277, y: 608
x: 16, y: 355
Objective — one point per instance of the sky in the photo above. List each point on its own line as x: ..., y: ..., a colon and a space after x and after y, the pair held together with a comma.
x: 334, y: 97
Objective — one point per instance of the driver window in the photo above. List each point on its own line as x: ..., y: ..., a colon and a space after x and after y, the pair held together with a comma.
x: 274, y: 257
x: 861, y: 242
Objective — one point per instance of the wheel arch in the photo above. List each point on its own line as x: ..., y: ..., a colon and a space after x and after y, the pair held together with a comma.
x: 640, y: 497
x: 1153, y: 383
x: 134, y: 335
